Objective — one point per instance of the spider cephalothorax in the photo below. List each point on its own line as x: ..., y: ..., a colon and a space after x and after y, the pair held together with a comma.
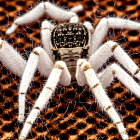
x: 70, y: 42
x: 70, y: 35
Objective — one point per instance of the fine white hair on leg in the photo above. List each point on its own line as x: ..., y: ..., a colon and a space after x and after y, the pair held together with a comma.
x: 126, y: 79
x: 27, y: 18
x: 114, y: 22
x: 98, y: 36
x: 89, y: 27
x: 77, y: 8
x: 102, y: 97
x: 65, y: 78
x: 47, y: 8
x: 43, y: 98
x: 112, y: 48
x: 107, y: 76
x: 80, y: 77
x: 11, y: 58
x: 46, y: 28
x: 102, y: 30
x: 58, y: 13
x: 28, y: 75
x: 74, y: 19
x: 91, y: 30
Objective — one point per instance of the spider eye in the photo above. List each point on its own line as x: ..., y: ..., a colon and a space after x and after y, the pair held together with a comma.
x: 69, y: 37
x: 79, y: 36
x: 60, y: 38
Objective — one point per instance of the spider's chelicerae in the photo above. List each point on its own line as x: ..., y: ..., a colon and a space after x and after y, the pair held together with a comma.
x: 70, y: 43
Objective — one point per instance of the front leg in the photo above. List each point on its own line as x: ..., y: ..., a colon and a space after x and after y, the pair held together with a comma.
x: 32, y: 63
x: 102, y: 30
x: 101, y: 96
x: 50, y: 10
x: 112, y: 48
x: 39, y: 58
x: 44, y: 97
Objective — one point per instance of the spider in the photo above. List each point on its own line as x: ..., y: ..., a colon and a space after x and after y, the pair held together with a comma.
x: 71, y: 50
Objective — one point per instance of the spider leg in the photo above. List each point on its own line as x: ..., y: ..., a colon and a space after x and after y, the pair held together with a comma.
x: 108, y: 75
x: 112, y: 48
x: 11, y: 58
x: 77, y: 8
x: 41, y: 59
x: 32, y: 63
x: 80, y: 77
x: 89, y: 27
x: 101, y: 96
x: 46, y: 29
x: 102, y: 30
x: 45, y: 8
x: 44, y: 97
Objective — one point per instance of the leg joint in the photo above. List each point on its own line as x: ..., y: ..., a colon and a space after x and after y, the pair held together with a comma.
x: 118, y: 123
x: 1, y: 43
x: 94, y: 86
x: 49, y: 88
x: 85, y: 66
x: 22, y: 93
x: 58, y: 66
x: 137, y: 71
x: 114, y: 47
x: 29, y: 123
x: 37, y: 51
x: 110, y: 106
x: 113, y: 72
x: 37, y: 108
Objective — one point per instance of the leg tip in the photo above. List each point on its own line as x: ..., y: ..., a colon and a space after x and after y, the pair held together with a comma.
x: 12, y: 29
x: 8, y: 32
x: 21, y: 118
x: 21, y: 138
x: 125, y: 137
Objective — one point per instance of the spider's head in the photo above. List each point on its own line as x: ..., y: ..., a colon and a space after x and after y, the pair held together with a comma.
x: 70, y: 42
x: 69, y: 35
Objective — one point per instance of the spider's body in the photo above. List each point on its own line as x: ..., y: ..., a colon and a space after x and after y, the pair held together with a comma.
x: 70, y: 42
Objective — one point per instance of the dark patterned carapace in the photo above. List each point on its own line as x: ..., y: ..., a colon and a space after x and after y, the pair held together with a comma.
x: 69, y: 35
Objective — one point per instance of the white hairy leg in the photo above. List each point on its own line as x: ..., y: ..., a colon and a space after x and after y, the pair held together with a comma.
x: 108, y: 75
x: 41, y: 59
x: 29, y: 73
x: 90, y: 28
x: 112, y: 48
x: 46, y: 29
x: 41, y: 9
x: 77, y: 8
x: 102, y: 30
x: 43, y: 98
x: 11, y: 58
x: 80, y: 77
x: 101, y: 97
